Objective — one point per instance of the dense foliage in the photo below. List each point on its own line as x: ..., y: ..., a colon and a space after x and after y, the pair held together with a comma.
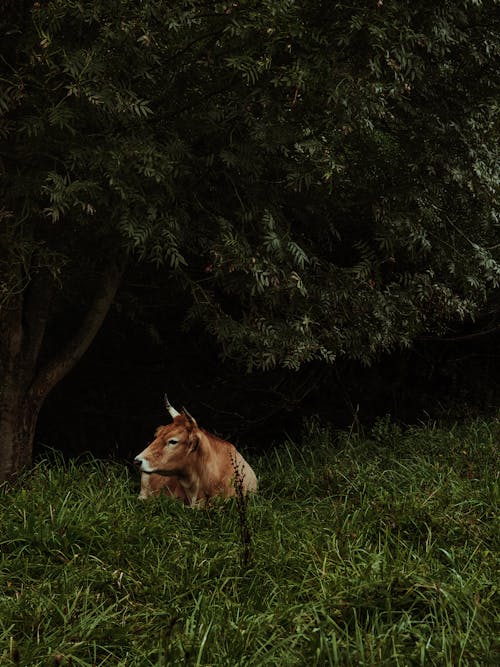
x: 377, y: 551
x: 319, y: 177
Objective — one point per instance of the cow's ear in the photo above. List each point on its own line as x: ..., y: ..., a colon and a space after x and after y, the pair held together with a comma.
x: 191, y: 420
x: 194, y: 441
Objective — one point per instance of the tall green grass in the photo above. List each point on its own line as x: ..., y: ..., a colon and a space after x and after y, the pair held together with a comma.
x: 377, y: 550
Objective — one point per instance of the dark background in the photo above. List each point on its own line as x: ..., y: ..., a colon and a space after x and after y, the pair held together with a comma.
x: 112, y: 402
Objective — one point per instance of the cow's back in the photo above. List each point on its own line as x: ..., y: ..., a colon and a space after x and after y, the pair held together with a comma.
x: 244, y: 472
x: 229, y: 468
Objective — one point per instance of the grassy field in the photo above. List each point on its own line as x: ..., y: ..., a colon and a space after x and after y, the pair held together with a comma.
x: 375, y: 550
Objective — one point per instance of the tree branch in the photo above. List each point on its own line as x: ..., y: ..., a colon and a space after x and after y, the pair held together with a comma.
x: 54, y: 371
x: 36, y: 312
x: 10, y: 315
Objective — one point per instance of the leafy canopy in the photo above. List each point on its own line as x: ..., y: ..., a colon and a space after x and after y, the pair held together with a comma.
x: 319, y: 178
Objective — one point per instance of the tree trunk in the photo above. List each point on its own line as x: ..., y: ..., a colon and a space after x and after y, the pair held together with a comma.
x: 24, y: 383
x: 18, y: 417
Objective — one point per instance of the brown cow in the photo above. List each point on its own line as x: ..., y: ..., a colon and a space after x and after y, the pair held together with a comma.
x: 196, y: 465
x: 154, y: 485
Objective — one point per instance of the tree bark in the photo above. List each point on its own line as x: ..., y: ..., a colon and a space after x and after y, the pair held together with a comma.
x: 24, y: 384
x: 17, y: 429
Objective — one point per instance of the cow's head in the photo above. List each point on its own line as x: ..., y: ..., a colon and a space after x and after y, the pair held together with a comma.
x: 172, y: 450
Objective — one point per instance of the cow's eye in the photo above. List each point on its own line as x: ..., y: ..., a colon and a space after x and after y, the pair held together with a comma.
x: 173, y: 441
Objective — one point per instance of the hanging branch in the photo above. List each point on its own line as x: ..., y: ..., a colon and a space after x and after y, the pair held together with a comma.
x: 54, y: 371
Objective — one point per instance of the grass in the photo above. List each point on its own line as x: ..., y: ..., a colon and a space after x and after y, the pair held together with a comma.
x: 377, y: 550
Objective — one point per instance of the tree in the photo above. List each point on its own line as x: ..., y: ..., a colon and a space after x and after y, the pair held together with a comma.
x: 318, y: 179
x: 58, y: 242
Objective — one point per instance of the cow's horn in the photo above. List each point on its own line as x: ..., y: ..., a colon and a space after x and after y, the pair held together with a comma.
x: 172, y: 411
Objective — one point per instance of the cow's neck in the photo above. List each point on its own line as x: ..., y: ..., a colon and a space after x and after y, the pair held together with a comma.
x: 192, y: 491
x: 192, y: 482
